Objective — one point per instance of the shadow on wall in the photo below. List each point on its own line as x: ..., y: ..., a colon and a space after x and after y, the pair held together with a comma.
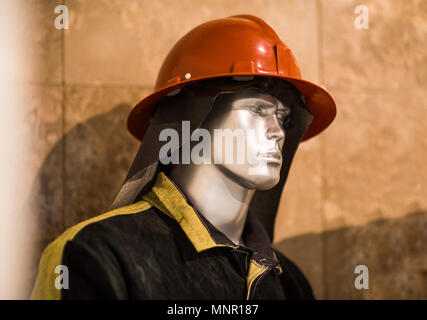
x: 394, y: 251
x: 82, y: 174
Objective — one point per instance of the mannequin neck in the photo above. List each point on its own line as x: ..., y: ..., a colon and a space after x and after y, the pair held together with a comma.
x: 221, y: 200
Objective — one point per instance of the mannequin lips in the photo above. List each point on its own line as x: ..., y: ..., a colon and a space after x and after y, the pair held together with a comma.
x: 272, y: 157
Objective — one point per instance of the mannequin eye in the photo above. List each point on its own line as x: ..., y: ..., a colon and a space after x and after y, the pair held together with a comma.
x: 257, y: 110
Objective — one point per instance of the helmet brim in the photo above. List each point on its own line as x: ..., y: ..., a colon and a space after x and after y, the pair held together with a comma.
x: 318, y: 102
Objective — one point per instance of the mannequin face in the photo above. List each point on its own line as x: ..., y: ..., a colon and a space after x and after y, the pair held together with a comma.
x: 264, y: 116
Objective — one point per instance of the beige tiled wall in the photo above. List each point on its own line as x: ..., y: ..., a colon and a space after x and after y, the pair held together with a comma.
x: 356, y: 194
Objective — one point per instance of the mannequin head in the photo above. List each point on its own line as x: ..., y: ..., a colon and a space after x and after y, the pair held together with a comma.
x: 262, y: 118
x: 222, y: 190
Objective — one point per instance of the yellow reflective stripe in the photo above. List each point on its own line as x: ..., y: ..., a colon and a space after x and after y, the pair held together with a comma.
x: 151, y: 198
x: 167, y: 198
x: 44, y: 287
x: 255, y: 270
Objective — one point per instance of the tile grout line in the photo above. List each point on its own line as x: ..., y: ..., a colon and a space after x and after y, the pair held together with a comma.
x: 320, y: 41
x: 63, y: 123
x: 342, y: 90
x: 322, y: 157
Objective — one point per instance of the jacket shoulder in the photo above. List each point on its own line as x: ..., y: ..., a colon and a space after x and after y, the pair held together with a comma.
x: 53, y: 254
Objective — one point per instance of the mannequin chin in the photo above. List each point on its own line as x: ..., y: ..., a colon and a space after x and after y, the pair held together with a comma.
x: 265, y: 176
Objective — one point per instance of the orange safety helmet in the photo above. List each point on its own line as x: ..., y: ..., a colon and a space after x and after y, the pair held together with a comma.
x: 234, y: 46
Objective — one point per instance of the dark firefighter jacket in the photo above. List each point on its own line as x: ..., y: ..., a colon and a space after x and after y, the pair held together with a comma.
x: 160, y: 247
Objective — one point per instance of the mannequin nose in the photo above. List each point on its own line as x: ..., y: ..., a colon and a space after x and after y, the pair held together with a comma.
x: 275, y: 130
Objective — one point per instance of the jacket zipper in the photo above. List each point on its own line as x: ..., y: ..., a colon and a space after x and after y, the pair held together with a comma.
x: 255, y: 279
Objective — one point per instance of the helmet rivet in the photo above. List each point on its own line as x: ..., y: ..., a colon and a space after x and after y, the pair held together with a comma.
x: 187, y: 76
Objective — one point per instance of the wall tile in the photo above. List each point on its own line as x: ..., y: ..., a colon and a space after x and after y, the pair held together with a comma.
x: 387, y: 55
x: 43, y: 123
x: 98, y: 148
x: 300, y: 209
x: 374, y: 157
x: 393, y: 250
x: 42, y: 42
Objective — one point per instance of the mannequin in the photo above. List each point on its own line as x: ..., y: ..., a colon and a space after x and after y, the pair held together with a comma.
x: 201, y: 230
x: 190, y: 231
x: 222, y: 192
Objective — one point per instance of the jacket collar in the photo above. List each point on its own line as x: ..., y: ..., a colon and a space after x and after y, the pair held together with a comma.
x: 169, y: 199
